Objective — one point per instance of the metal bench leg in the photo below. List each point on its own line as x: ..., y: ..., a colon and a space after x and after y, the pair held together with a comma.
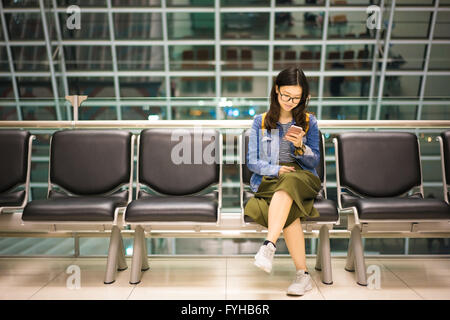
x: 358, y: 256
x: 136, y: 264
x: 350, y: 264
x: 318, y: 266
x: 121, y: 261
x: 145, y: 265
x: 114, y: 253
x: 325, y: 255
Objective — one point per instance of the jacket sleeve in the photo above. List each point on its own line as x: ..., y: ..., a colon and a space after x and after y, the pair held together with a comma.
x: 254, y: 163
x: 311, y: 157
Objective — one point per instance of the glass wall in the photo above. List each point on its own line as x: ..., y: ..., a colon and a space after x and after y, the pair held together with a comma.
x: 217, y: 59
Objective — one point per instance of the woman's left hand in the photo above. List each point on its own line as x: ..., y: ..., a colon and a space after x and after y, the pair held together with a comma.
x: 295, y: 138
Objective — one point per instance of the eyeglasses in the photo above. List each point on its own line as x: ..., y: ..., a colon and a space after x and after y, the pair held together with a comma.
x: 287, y: 98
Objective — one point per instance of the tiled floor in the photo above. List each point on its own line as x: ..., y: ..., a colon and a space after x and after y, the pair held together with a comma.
x: 218, y: 278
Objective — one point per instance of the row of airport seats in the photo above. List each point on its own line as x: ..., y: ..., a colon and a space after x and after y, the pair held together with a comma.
x: 91, y: 181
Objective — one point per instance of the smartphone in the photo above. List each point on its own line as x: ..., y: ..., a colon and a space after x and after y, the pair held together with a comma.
x: 294, y: 129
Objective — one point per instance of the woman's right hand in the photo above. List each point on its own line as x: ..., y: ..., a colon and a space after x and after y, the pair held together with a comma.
x: 285, y: 169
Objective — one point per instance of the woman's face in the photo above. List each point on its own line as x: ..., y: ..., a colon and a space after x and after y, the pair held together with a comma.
x: 289, y: 96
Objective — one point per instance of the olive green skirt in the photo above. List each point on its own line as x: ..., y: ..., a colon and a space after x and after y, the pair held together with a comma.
x: 301, y: 185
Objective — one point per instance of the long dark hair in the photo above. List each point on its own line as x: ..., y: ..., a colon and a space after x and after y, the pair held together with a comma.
x: 288, y: 77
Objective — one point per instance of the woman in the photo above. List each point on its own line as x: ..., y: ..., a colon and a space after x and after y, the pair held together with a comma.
x: 285, y: 181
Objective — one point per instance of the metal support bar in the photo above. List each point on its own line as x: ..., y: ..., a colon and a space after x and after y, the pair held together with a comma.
x: 76, y: 102
x: 116, y: 256
x: 139, y: 262
x: 325, y: 255
x: 355, y: 257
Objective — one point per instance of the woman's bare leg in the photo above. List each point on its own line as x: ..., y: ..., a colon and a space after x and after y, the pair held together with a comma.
x: 295, y: 241
x: 279, y: 208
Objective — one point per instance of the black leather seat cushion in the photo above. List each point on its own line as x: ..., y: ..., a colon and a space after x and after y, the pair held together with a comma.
x: 80, y: 209
x: 12, y: 199
x: 172, y: 208
x: 327, y: 209
x: 398, y: 208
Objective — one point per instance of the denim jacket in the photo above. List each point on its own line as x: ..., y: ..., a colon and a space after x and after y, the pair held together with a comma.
x: 264, y: 145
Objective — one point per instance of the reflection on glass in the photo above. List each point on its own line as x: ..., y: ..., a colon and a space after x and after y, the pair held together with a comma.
x: 193, y: 86
x: 244, y: 87
x: 190, y: 58
x: 402, y: 112
x: 436, y: 112
x: 413, y: 2
x: 198, y: 25
x: 349, y: 112
x: 94, y: 26
x: 244, y: 3
x: 24, y: 26
x: 20, y: 4
x: 97, y: 113
x: 138, y: 26
x: 141, y: 87
x: 140, y: 58
x: 412, y: 24
x: 190, y: 3
x: 136, y: 3
x: 4, y: 63
x: 39, y: 171
x: 92, y: 86
x: 442, y: 28
x: 143, y: 113
x: 304, y: 57
x: 82, y: 3
x: 407, y: 57
x: 245, y: 25
x: 30, y: 58
x: 437, y: 86
x: 39, y: 113
x: 406, y: 86
x: 349, y: 25
x: 88, y: 58
x: 8, y: 113
x: 298, y: 25
x: 244, y: 57
x: 349, y: 57
x: 439, y: 57
x: 346, y: 86
x: 35, y: 87
x: 194, y: 113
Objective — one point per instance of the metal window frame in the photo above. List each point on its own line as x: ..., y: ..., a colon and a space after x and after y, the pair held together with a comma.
x: 217, y: 42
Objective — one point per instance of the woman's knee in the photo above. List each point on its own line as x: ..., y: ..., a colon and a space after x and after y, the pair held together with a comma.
x: 283, y: 193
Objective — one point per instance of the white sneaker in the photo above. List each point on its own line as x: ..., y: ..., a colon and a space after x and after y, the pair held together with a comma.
x: 300, y: 285
x: 264, y: 257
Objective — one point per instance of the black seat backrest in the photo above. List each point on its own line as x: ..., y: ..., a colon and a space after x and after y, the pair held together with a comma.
x: 247, y: 174
x: 167, y: 163
x: 446, y: 147
x: 13, y: 158
x: 90, y: 162
x: 379, y: 164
